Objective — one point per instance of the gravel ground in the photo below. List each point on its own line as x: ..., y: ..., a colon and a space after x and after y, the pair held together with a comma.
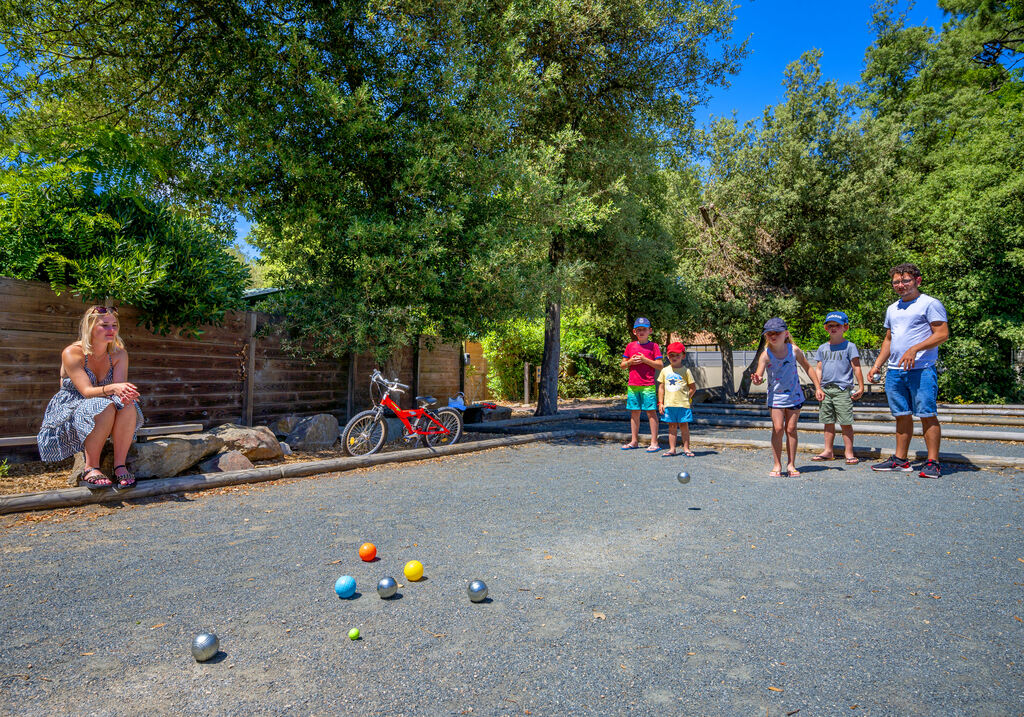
x: 613, y: 590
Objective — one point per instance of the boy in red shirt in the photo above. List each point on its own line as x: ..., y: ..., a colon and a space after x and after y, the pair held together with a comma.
x: 643, y: 359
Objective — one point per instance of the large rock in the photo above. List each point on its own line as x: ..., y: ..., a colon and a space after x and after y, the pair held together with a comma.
x: 225, y: 461
x: 314, y: 433
x: 257, y: 444
x: 161, y: 457
x: 283, y: 426
x: 168, y: 456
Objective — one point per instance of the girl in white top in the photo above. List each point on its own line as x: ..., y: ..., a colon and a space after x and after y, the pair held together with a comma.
x: 785, y: 395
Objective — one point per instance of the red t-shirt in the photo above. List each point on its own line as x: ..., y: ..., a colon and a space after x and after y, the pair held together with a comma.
x: 641, y: 374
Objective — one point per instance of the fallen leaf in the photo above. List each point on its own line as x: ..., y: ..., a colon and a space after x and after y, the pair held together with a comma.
x: 623, y: 667
x: 600, y: 615
x: 790, y: 714
x: 1017, y: 619
x: 159, y: 624
x: 86, y: 654
x: 538, y: 598
x: 691, y: 653
x: 333, y: 562
x: 775, y: 689
x: 1020, y: 560
x: 548, y: 557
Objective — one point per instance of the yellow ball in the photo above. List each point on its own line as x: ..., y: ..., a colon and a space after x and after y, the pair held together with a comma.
x: 413, y: 570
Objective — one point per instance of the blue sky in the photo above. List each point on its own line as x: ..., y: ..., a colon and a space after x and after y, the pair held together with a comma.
x: 780, y: 31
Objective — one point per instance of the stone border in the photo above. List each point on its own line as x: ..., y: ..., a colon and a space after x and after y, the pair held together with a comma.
x: 69, y: 497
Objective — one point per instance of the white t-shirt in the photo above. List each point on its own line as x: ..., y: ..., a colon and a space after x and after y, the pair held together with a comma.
x: 911, y: 323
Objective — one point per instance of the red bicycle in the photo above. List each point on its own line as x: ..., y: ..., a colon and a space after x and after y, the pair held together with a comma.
x: 367, y: 432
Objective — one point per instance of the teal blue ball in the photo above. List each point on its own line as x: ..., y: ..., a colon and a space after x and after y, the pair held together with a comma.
x: 345, y: 586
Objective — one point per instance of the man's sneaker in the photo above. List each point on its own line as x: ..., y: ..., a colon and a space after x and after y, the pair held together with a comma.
x: 892, y: 463
x: 931, y: 469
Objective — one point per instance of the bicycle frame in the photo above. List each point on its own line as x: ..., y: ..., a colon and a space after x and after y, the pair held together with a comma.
x: 435, y: 429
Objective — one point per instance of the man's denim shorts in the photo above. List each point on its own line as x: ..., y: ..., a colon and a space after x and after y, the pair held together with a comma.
x: 912, y: 392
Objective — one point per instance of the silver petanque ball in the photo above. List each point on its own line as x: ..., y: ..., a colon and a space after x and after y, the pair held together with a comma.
x: 387, y: 587
x: 204, y: 646
x: 683, y: 477
x: 477, y: 591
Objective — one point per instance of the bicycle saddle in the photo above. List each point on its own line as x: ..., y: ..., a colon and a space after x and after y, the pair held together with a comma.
x: 426, y: 401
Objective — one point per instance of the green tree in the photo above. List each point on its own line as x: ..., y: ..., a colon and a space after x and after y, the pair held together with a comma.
x: 789, y: 221
x: 954, y: 104
x: 622, y: 78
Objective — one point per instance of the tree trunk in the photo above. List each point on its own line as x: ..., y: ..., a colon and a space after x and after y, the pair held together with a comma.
x: 745, y: 383
x: 728, y: 371
x: 547, y: 395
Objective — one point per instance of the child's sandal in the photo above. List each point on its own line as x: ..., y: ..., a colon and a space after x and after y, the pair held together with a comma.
x: 124, y: 481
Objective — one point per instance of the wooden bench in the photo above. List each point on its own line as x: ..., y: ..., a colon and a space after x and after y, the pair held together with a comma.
x: 145, y: 433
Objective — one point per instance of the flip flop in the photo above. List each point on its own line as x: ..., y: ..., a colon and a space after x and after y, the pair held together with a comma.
x: 628, y: 447
x: 775, y: 474
x: 792, y: 474
x: 669, y: 454
x: 652, y: 450
x: 823, y: 458
x: 689, y: 454
x: 852, y: 461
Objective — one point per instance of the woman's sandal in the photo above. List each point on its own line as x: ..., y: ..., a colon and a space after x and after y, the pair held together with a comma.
x: 94, y: 482
x: 125, y: 481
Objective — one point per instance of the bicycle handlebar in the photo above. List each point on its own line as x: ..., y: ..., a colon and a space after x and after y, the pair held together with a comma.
x: 392, y: 385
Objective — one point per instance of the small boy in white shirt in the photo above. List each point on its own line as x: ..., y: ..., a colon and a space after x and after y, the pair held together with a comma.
x: 675, y: 389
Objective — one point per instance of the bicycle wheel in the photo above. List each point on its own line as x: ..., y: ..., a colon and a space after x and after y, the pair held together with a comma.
x: 450, y: 419
x: 364, y: 434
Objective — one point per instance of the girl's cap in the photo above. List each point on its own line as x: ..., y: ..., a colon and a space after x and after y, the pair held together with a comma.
x: 775, y: 324
x: 641, y: 323
x: 676, y: 347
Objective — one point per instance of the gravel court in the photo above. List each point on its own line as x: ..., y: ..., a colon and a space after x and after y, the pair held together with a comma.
x: 613, y: 590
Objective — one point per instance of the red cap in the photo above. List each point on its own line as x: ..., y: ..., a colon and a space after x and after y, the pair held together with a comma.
x: 676, y: 347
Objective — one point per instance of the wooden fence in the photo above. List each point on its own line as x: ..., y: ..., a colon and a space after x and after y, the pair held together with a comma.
x: 231, y: 373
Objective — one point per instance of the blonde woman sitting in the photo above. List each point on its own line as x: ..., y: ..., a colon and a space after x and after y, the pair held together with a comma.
x: 87, y: 410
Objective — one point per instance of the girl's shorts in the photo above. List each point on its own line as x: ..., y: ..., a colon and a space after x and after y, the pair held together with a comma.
x: 677, y: 414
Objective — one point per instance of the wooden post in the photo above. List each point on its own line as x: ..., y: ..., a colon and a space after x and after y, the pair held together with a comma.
x: 415, y: 372
x: 350, y: 397
x: 526, y: 382
x: 250, y: 368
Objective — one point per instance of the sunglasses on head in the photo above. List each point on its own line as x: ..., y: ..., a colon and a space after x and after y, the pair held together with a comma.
x: 104, y: 310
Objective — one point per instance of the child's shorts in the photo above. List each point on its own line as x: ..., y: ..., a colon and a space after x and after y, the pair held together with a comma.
x: 836, y: 407
x: 642, y: 398
x: 912, y: 392
x: 677, y: 414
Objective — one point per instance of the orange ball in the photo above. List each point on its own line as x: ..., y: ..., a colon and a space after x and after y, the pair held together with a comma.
x: 367, y: 551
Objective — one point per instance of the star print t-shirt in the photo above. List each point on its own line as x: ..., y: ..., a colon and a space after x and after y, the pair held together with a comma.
x: 677, y: 386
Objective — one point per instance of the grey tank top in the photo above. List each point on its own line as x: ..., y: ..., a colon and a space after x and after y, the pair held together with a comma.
x: 784, y: 389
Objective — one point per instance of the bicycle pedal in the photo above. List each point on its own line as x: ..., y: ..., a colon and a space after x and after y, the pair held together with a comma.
x: 408, y: 437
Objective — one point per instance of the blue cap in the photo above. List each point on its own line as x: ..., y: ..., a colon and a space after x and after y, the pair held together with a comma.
x: 641, y: 323
x: 838, y: 316
x: 775, y: 324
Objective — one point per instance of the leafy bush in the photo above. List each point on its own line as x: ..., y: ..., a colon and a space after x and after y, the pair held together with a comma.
x: 588, y: 365
x: 59, y: 226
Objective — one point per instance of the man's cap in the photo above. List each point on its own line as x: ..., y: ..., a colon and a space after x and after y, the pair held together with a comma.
x: 676, y: 347
x: 838, y: 316
x: 775, y: 324
x: 641, y: 323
